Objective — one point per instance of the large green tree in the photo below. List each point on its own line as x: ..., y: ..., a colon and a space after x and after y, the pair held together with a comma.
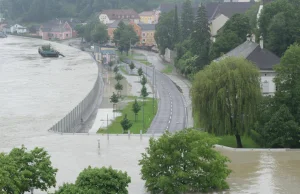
x: 187, y: 19
x: 200, y: 39
x: 176, y: 27
x: 279, y: 25
x: 232, y: 34
x: 184, y: 162
x: 124, y: 37
x: 21, y: 170
x: 99, y: 33
x: 164, y: 33
x: 225, y: 96
x: 98, y: 180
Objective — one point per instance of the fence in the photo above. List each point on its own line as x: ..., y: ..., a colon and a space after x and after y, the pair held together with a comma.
x: 72, y: 122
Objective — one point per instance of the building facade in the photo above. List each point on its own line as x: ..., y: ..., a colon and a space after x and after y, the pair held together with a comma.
x: 57, y: 30
x: 18, y: 29
x: 149, y: 17
x: 262, y: 58
x: 104, y: 55
x: 147, y: 34
x: 111, y: 15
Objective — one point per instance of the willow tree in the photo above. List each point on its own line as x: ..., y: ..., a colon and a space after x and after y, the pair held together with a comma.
x: 225, y: 95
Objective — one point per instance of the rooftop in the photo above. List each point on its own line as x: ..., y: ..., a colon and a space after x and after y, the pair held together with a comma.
x: 147, y: 27
x: 263, y: 58
x: 146, y: 13
x: 121, y: 13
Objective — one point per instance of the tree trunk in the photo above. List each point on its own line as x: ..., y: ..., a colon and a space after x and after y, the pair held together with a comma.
x: 135, y: 117
x: 238, y: 141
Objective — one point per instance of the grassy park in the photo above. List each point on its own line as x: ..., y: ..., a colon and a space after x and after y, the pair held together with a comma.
x: 116, y: 128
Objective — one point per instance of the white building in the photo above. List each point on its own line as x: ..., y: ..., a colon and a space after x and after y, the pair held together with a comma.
x: 263, y: 58
x: 18, y: 29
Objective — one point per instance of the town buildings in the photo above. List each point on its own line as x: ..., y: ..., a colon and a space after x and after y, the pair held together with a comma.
x: 149, y: 17
x: 18, y: 29
x: 262, y: 58
x: 147, y: 34
x: 111, y: 15
x: 58, y: 29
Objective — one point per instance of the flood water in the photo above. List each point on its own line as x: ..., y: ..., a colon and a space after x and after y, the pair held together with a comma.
x: 36, y: 92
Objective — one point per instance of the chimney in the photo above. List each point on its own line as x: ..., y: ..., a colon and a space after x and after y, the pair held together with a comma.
x: 253, y: 37
x: 248, y: 37
x: 261, y: 42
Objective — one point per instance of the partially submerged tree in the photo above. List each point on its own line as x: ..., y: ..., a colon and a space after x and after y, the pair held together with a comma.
x: 225, y: 96
x: 140, y: 71
x: 126, y: 124
x: 26, y: 170
x: 136, y: 108
x: 98, y: 180
x: 184, y: 162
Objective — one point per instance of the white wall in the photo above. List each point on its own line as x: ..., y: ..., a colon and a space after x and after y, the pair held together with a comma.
x: 104, y: 19
x: 267, y: 83
x: 218, y: 23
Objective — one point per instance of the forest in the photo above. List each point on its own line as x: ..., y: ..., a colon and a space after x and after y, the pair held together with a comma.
x: 41, y: 10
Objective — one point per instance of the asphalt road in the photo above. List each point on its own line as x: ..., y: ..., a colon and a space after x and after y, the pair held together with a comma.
x: 171, y: 114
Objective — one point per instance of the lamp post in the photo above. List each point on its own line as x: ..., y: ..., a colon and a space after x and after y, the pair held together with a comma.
x: 153, y: 86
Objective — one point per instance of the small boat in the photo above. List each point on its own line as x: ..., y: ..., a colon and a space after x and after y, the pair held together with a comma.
x: 3, y: 35
x: 48, y: 51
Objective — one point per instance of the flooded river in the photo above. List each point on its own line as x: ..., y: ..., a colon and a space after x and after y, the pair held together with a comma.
x: 36, y: 92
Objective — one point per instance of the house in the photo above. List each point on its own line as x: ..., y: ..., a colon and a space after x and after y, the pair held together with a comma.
x: 113, y: 26
x: 111, y: 15
x: 6, y: 28
x: 104, y: 55
x: 167, y: 7
x: 223, y: 12
x: 149, y: 17
x: 262, y: 58
x: 147, y: 35
x: 18, y: 29
x: 58, y: 29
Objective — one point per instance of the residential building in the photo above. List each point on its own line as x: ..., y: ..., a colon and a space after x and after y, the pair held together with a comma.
x: 147, y: 35
x: 58, y: 29
x: 262, y: 58
x: 223, y: 12
x: 111, y: 15
x: 104, y: 55
x: 18, y: 29
x: 149, y: 17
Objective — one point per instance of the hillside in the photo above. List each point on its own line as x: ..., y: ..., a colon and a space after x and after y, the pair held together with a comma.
x: 41, y: 10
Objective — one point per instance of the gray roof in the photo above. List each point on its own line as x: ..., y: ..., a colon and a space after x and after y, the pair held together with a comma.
x: 263, y: 58
x: 230, y: 8
x: 147, y: 27
x: 114, y: 24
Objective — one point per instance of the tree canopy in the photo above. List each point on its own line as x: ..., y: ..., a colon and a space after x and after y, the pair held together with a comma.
x: 97, y: 180
x: 187, y: 19
x: 21, y: 169
x: 183, y: 162
x: 225, y: 96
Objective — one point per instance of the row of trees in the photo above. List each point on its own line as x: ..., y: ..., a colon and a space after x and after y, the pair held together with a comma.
x: 40, y: 11
x: 174, y: 163
x: 227, y: 100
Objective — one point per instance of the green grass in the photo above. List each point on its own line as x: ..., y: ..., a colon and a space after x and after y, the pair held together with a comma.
x: 123, y: 69
x: 230, y: 141
x: 168, y: 69
x: 116, y: 128
x: 145, y: 62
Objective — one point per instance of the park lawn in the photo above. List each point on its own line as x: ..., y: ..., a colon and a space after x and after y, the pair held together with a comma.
x: 230, y: 141
x: 145, y: 62
x: 116, y: 128
x: 168, y: 69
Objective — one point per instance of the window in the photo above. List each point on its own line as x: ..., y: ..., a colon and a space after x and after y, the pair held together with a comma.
x: 265, y: 87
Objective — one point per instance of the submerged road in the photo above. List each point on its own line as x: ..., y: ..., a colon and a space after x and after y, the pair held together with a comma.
x: 171, y: 113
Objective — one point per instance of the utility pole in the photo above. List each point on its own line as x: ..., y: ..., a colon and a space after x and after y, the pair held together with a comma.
x: 143, y: 116
x: 153, y: 88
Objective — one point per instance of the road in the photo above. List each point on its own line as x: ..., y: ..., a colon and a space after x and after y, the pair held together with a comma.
x: 171, y: 113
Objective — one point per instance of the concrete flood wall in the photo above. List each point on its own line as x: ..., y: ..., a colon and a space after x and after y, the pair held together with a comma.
x: 73, y: 121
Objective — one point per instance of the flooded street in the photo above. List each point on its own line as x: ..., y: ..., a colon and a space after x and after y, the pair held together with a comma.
x: 36, y: 92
